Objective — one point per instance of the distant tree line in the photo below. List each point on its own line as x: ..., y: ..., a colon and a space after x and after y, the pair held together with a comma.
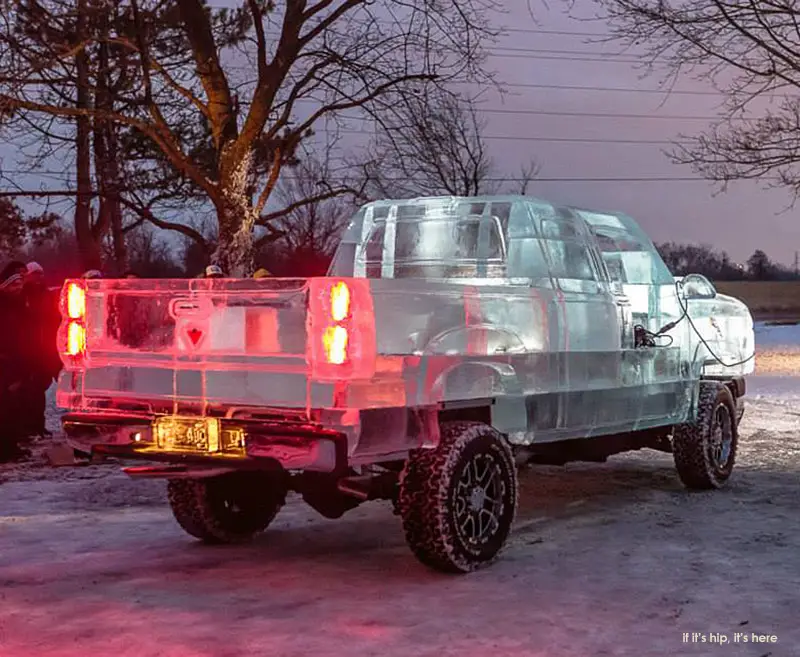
x: 703, y: 259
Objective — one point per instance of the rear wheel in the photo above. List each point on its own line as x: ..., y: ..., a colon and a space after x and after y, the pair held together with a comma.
x: 705, y: 450
x: 231, y: 508
x: 458, y: 501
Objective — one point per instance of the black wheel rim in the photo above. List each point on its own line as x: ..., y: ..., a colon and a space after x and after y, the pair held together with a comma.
x: 480, y: 501
x: 721, y: 438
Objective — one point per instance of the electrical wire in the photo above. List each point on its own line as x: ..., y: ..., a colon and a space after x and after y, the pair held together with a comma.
x: 510, y: 179
x: 685, y: 315
x: 573, y: 87
x: 705, y: 343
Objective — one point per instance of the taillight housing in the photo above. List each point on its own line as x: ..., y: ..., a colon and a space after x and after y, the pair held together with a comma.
x: 72, y: 334
x: 341, y: 329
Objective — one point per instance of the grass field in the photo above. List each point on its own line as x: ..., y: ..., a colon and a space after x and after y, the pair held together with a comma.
x: 766, y: 299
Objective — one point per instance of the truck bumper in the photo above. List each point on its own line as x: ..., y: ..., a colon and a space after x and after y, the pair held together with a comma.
x: 265, y: 445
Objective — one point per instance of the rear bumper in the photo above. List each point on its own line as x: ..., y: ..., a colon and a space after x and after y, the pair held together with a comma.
x: 268, y: 445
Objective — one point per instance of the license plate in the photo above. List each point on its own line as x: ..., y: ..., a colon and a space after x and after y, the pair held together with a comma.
x: 196, y: 435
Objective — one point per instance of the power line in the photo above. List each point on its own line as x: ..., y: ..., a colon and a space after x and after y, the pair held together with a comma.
x: 535, y: 179
x: 603, y: 115
x: 561, y: 58
x: 606, y: 115
x: 554, y: 51
x: 554, y: 32
x: 569, y: 87
x: 504, y: 29
x: 518, y: 138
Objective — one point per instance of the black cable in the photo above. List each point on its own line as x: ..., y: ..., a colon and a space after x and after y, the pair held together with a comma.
x: 646, y: 338
x: 702, y: 339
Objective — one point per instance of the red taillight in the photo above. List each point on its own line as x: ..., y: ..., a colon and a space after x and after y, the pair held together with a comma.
x: 335, y: 342
x: 341, y: 329
x: 76, y: 301
x: 76, y: 339
x: 340, y: 301
x: 72, y: 337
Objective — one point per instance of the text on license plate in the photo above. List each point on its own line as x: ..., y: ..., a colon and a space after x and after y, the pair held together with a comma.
x: 197, y: 435
x: 187, y: 434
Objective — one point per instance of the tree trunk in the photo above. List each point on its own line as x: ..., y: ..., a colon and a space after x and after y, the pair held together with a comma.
x: 106, y: 163
x: 235, y: 251
x: 88, y: 246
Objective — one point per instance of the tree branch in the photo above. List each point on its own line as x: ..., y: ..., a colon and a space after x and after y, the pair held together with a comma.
x: 148, y: 215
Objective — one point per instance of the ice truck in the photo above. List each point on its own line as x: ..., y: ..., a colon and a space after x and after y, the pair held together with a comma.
x: 453, y: 340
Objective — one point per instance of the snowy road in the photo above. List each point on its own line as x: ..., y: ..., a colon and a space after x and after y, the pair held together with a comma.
x: 613, y: 559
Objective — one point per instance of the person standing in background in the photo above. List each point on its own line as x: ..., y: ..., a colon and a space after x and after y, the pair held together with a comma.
x: 42, y: 360
x: 13, y: 329
x: 214, y: 271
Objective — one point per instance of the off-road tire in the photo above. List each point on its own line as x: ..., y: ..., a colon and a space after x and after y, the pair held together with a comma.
x: 692, y: 443
x: 231, y: 508
x: 432, y: 497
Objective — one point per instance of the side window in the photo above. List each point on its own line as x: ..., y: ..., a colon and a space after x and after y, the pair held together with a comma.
x: 526, y: 260
x: 626, y: 258
x: 572, y: 265
x: 558, y: 229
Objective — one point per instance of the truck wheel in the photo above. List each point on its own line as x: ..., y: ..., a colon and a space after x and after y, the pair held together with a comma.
x: 705, y: 450
x: 458, y: 501
x: 231, y: 508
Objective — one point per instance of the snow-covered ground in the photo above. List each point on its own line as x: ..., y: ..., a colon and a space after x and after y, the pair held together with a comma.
x: 611, y: 559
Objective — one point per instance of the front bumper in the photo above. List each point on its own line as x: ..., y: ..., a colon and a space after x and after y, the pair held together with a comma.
x: 266, y: 445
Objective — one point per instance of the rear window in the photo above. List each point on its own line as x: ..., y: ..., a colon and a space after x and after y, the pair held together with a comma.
x: 447, y: 247
x: 445, y: 239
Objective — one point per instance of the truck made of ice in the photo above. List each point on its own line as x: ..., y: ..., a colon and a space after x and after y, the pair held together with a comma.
x: 452, y: 340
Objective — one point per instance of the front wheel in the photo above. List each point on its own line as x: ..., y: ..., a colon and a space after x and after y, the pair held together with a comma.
x: 705, y: 450
x: 231, y: 508
x: 458, y: 500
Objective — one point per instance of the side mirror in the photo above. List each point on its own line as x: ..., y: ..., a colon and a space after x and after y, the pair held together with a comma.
x: 697, y: 286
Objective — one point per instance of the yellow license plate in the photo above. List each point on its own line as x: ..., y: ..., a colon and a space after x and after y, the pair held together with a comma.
x: 197, y: 436
x: 178, y: 434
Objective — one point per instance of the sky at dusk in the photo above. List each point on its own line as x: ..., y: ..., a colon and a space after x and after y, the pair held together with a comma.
x: 552, y: 51
x: 740, y: 220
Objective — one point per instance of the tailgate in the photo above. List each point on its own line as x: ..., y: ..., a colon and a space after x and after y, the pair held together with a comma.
x: 202, y: 341
x: 179, y: 322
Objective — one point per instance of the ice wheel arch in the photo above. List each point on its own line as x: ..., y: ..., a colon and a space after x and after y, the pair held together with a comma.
x: 458, y: 501
x: 705, y: 450
x: 231, y: 508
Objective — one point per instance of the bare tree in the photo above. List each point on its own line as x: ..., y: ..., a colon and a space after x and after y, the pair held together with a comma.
x: 93, y: 72
x: 750, y: 51
x: 430, y: 144
x: 527, y: 174
x: 311, y: 61
x: 150, y: 252
x: 312, y: 227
